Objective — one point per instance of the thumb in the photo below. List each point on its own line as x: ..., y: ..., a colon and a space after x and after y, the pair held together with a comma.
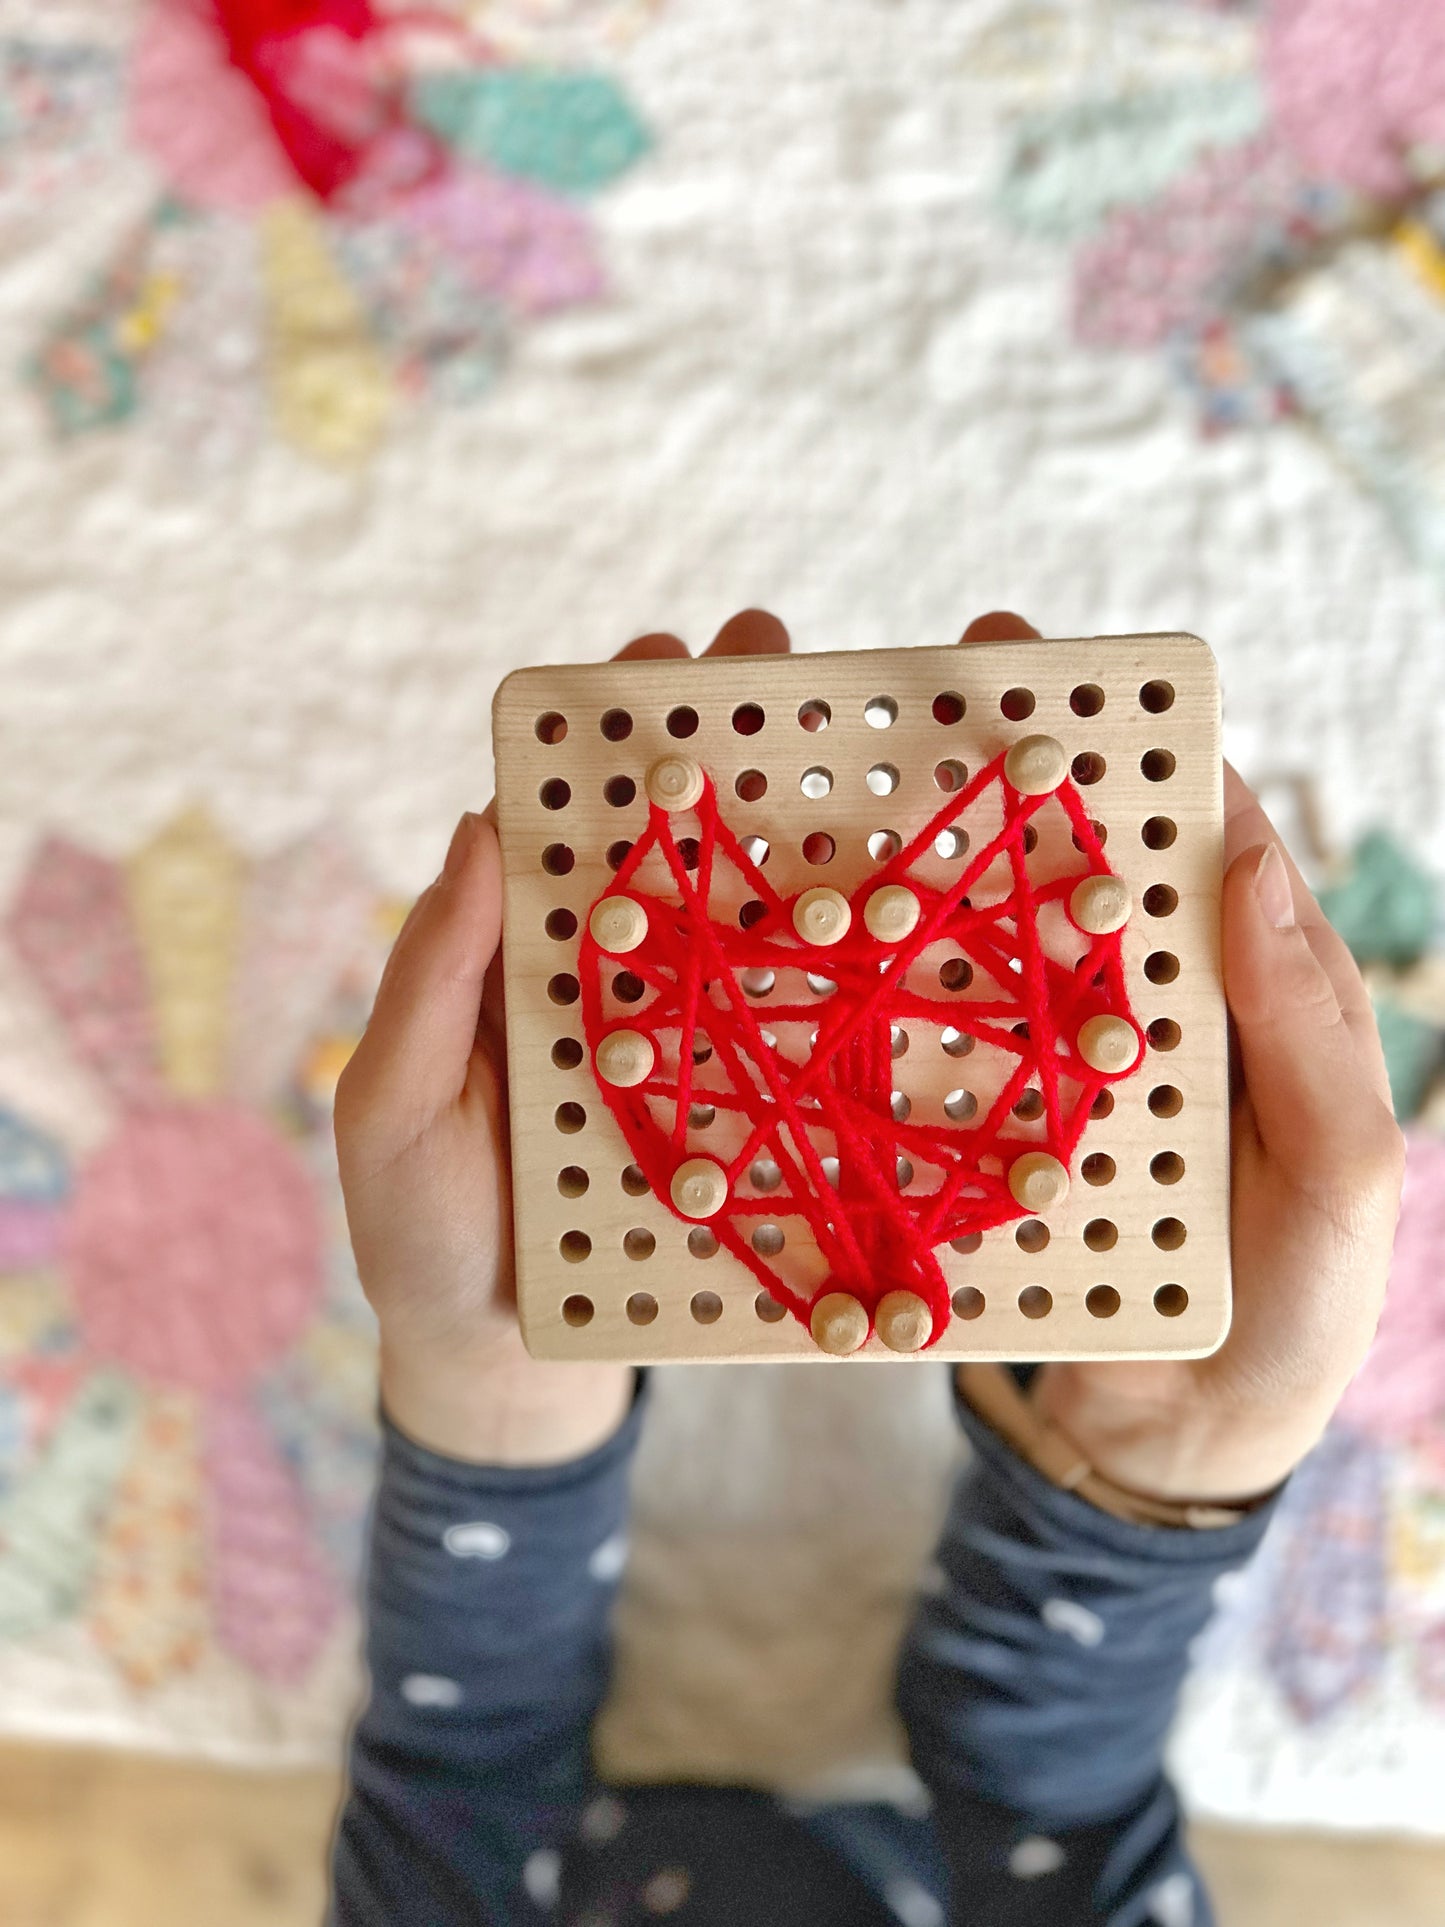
x: 1297, y: 1052
x: 414, y: 1058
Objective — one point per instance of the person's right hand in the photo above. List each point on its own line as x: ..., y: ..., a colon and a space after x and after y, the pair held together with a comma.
x: 424, y: 1151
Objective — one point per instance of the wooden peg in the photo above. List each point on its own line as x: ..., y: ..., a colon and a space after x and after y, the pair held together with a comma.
x: 1036, y: 765
x: 674, y: 783
x: 839, y: 1324
x: 699, y: 1188
x: 618, y: 924
x: 625, y: 1058
x: 1038, y: 1181
x: 1100, y: 905
x: 821, y: 916
x: 903, y: 1321
x: 892, y: 913
x: 1109, y: 1045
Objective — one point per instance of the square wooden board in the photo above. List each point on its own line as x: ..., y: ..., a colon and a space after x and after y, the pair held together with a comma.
x: 1111, y: 700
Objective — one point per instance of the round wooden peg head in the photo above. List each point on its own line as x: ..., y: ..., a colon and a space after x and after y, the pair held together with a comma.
x: 892, y: 913
x: 618, y: 924
x: 1100, y: 905
x: 1036, y: 765
x: 903, y: 1321
x: 1038, y: 1181
x: 1109, y: 1045
x: 625, y: 1058
x: 839, y: 1324
x: 822, y: 916
x: 699, y: 1188
x: 674, y: 783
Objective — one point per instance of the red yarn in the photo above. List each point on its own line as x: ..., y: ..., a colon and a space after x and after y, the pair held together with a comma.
x: 875, y: 1237
x: 319, y: 67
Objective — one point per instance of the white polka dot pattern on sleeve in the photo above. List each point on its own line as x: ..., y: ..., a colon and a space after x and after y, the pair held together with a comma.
x: 602, y: 1820
x: 1171, y: 1904
x: 1035, y: 1857
x: 912, y: 1904
x: 430, y: 1689
x: 607, y: 1562
x: 542, y: 1877
x: 1068, y: 1616
x: 667, y: 1891
x: 478, y: 1539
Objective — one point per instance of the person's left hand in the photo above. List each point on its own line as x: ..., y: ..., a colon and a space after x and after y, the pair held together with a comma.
x: 1316, y: 1166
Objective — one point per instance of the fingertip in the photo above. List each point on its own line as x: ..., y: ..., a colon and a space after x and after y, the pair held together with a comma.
x: 1000, y: 625
x: 652, y: 648
x: 751, y: 632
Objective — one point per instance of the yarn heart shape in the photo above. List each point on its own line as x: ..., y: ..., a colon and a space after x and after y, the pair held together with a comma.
x: 746, y: 1038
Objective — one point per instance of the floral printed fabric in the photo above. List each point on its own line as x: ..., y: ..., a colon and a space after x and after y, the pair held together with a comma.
x: 186, y: 1366
x: 331, y: 313
x: 1273, y: 223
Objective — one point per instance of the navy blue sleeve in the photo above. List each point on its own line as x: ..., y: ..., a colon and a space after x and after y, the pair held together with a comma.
x: 1038, y: 1682
x: 488, y: 1600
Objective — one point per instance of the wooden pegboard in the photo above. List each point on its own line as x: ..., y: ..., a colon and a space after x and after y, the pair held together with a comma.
x: 1136, y: 1261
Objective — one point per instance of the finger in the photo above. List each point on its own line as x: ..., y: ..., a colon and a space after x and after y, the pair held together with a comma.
x: 1000, y: 625
x: 1302, y: 1067
x: 1246, y: 826
x: 413, y: 1059
x: 651, y: 648
x: 752, y: 632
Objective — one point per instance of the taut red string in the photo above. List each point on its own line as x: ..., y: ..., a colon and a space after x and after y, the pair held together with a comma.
x: 876, y: 1231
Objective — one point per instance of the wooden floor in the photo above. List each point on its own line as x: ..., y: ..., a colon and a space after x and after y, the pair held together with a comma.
x: 104, y: 1840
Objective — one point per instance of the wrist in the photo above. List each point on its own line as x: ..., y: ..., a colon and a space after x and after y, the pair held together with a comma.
x: 1176, y: 1452
x: 499, y: 1406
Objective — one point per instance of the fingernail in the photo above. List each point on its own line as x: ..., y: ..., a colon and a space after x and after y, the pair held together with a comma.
x: 463, y: 836
x: 1272, y: 887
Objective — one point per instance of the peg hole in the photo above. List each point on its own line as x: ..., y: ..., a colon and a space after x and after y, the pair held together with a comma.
x: 1158, y: 832
x: 816, y: 782
x: 641, y: 1308
x: 1161, y: 900
x: 1032, y: 1235
x: 682, y: 721
x: 1164, y: 1033
x: 819, y: 847
x: 567, y: 1053
x: 1156, y: 697
x: 633, y: 1182
x: 748, y: 719
x: 552, y: 727
x: 1101, y: 1301
x: 569, y: 1118
x: 561, y: 924
x: 1171, y: 1301
x: 572, y: 1181
x: 1088, y: 767
x: 1101, y: 1234
x: 616, y: 725
x: 1161, y: 967
x: 880, y: 712
x: 1158, y: 765
x: 1166, y: 1167
x: 751, y: 785
x: 557, y: 860
x: 639, y: 1242
x: 814, y: 715
x: 1166, y: 1101
x: 948, y: 707
x: 577, y: 1310
x: 1017, y: 704
x: 968, y: 1302
x: 702, y: 1241
x: 1035, y: 1301
x: 1087, y: 699
x: 706, y: 1307
x: 619, y: 791
x: 575, y: 1246
x: 1098, y: 1168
